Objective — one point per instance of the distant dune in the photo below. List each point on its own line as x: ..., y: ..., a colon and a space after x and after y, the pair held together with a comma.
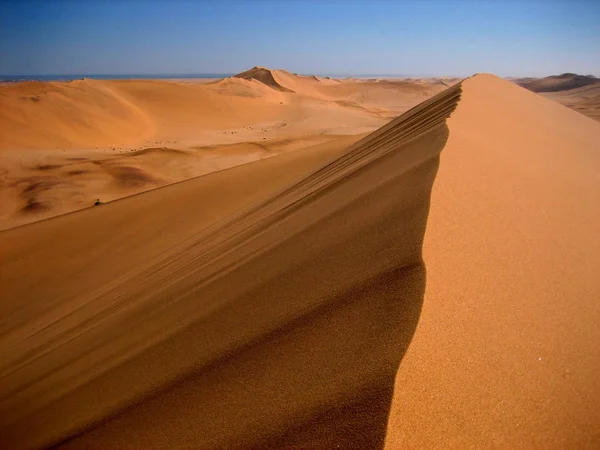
x: 585, y: 100
x: 65, y: 145
x: 266, y: 76
x: 578, y: 92
x: 99, y: 113
x: 88, y: 114
x: 272, y: 304
x: 557, y: 83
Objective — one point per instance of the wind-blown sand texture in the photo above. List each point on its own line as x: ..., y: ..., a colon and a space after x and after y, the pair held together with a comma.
x: 270, y: 305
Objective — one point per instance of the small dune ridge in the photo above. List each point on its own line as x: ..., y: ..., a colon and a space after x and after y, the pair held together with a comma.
x: 265, y: 76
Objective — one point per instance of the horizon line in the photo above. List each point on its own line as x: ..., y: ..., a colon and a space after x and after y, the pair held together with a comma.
x: 57, y: 76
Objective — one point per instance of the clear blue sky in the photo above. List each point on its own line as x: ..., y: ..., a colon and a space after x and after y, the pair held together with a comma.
x: 428, y: 37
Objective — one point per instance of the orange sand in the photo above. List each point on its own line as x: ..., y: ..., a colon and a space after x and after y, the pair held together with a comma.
x: 272, y: 304
x: 65, y: 145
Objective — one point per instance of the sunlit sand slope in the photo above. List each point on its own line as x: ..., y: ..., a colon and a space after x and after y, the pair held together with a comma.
x: 507, y: 349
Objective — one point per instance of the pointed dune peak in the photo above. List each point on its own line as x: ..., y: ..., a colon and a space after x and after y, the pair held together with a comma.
x: 265, y: 76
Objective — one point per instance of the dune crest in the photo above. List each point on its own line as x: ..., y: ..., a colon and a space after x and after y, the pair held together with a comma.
x: 505, y: 354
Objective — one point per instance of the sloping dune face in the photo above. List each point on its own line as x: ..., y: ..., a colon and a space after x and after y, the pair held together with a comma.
x: 49, y: 115
x: 265, y: 76
x: 507, y: 349
x: 282, y: 324
x: 100, y: 113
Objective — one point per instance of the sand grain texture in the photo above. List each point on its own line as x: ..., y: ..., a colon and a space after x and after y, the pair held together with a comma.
x: 507, y: 349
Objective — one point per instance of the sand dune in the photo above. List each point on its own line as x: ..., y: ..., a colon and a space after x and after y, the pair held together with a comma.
x: 96, y: 113
x: 578, y: 92
x: 556, y: 83
x: 68, y: 114
x: 378, y: 190
x: 585, y: 100
x: 506, y: 351
x: 49, y: 185
x: 63, y: 145
x: 270, y: 305
x: 91, y: 114
x: 266, y: 76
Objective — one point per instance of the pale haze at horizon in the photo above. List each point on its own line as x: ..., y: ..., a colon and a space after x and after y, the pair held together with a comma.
x: 508, y: 38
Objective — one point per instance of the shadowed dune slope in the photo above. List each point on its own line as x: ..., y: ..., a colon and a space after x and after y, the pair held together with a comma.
x: 265, y: 76
x: 283, y: 323
x: 507, y: 348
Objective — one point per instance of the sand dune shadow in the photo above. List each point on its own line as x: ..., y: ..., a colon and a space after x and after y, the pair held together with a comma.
x: 323, y: 380
x: 282, y: 326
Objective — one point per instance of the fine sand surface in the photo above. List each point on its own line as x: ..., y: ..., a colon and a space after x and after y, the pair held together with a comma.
x: 64, y: 145
x: 507, y: 349
x: 272, y: 304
